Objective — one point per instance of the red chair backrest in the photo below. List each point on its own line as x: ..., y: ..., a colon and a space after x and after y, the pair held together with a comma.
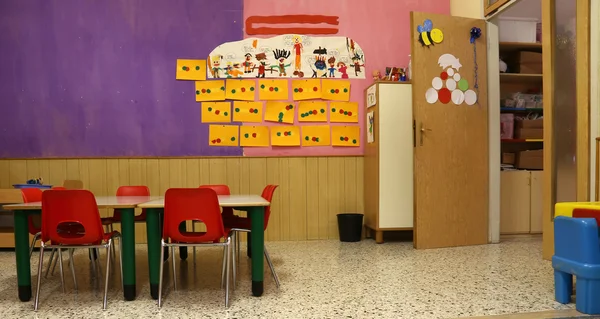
x: 131, y: 191
x: 221, y: 190
x: 31, y: 195
x: 587, y: 213
x: 60, y: 207
x: 199, y: 204
x: 268, y: 195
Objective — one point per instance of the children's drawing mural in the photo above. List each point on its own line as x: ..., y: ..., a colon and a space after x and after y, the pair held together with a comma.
x: 288, y: 56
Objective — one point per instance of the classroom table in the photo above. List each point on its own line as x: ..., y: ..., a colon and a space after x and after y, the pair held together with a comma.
x: 253, y: 204
x: 126, y: 204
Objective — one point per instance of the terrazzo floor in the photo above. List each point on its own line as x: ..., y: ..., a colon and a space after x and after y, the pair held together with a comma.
x: 319, y: 279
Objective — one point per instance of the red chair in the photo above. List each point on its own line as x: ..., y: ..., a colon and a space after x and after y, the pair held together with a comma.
x: 127, y: 191
x: 73, y: 207
x: 243, y: 224
x: 226, y: 212
x: 195, y: 204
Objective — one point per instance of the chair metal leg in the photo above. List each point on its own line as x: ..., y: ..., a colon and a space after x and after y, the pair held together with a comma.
x: 237, y: 246
x: 94, y: 272
x: 39, y: 279
x: 107, y: 277
x: 54, y: 264
x: 97, y: 260
x: 35, y: 238
x: 60, y: 264
x: 223, y: 268
x: 50, y: 262
x: 174, y: 271
x: 160, y: 274
x: 194, y: 230
x: 275, y: 277
x: 72, y: 265
x: 229, y: 251
x: 232, y: 242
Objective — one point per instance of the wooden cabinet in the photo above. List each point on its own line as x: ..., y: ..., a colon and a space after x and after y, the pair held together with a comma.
x: 389, y: 159
x: 521, y: 202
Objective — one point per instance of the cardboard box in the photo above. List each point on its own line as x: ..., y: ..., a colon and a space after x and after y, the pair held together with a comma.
x: 539, y: 123
x: 507, y: 122
x: 508, y: 158
x: 529, y: 133
x: 530, y: 160
x: 530, y: 62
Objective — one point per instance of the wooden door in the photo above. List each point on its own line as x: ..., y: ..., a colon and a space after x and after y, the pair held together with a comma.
x: 451, y: 127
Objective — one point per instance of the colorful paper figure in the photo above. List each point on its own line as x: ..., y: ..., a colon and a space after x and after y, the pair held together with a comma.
x: 306, y: 89
x: 335, y: 90
x: 210, y: 90
x: 316, y: 135
x: 429, y: 35
x: 191, y: 70
x: 343, y: 112
x: 281, y: 112
x: 345, y: 136
x: 243, y: 90
x: 245, y: 111
x: 216, y: 112
x: 285, y: 136
x: 223, y: 135
x: 312, y: 111
x: 255, y: 136
x: 272, y: 90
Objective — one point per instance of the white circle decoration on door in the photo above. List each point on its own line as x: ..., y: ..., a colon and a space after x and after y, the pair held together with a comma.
x: 450, y: 72
x: 431, y: 95
x: 470, y: 97
x: 458, y: 97
x: 456, y: 77
x: 451, y: 84
x: 437, y: 83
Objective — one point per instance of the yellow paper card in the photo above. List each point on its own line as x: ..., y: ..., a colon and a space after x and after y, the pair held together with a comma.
x: 345, y: 136
x: 223, y: 135
x: 335, y: 90
x: 343, y: 112
x: 285, y: 136
x: 281, y: 112
x: 240, y: 90
x: 316, y: 135
x: 312, y: 111
x: 244, y: 111
x: 210, y: 90
x: 191, y: 70
x: 216, y: 112
x: 254, y: 136
x: 272, y: 89
x: 306, y: 89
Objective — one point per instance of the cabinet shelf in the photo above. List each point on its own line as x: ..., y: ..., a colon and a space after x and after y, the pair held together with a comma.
x: 520, y: 46
x: 522, y: 140
x: 521, y: 77
x: 520, y: 110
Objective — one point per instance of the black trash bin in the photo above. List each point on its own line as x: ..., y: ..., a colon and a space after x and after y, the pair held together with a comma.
x: 350, y: 226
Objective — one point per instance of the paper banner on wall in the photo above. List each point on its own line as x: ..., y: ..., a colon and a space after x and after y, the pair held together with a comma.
x: 246, y: 111
x: 312, y: 111
x: 223, y: 135
x: 370, y: 127
x: 450, y: 85
x: 281, y: 112
x: 372, y: 95
x: 255, y: 136
x: 285, y: 135
x: 191, y: 70
x: 240, y: 90
x: 343, y: 112
x: 272, y: 90
x: 216, y: 112
x: 345, y: 136
x: 306, y: 89
x: 288, y: 55
x: 335, y: 90
x: 316, y: 135
x: 210, y: 90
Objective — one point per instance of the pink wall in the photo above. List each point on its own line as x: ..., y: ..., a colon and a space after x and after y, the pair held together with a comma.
x: 380, y: 27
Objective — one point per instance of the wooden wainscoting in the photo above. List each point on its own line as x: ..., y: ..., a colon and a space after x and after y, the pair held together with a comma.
x: 312, y: 190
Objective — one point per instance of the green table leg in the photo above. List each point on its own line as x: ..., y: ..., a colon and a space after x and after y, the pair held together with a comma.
x: 22, y: 254
x: 128, y: 237
x: 257, y: 217
x: 153, y: 231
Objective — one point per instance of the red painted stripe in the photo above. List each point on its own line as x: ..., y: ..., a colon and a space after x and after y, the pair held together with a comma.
x: 291, y: 19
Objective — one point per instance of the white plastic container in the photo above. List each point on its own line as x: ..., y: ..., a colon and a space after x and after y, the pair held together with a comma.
x: 517, y: 29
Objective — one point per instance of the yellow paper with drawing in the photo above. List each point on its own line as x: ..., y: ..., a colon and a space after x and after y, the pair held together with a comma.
x: 316, y: 135
x: 216, y: 112
x: 273, y: 90
x: 335, y: 90
x: 306, y: 89
x: 285, y: 135
x: 343, y: 112
x: 210, y: 90
x: 281, y: 112
x: 243, y: 90
x: 244, y: 111
x: 312, y: 111
x: 345, y: 136
x: 256, y: 136
x: 191, y: 70
x: 223, y: 135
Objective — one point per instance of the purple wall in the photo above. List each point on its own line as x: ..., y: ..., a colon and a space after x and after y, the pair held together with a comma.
x: 97, y: 77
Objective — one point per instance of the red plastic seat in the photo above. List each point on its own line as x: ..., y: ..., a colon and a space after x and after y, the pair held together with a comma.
x: 60, y: 207
x: 127, y: 191
x: 193, y: 204
x: 226, y: 212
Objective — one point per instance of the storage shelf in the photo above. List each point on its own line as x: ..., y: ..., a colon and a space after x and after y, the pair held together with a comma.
x: 520, y: 46
x: 519, y: 110
x: 522, y: 140
x: 521, y: 77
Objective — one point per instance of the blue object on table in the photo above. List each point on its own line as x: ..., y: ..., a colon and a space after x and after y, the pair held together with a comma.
x: 577, y: 253
x: 31, y: 186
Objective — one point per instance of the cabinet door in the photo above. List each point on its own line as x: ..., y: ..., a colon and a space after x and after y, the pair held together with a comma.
x: 536, y: 224
x: 515, y: 202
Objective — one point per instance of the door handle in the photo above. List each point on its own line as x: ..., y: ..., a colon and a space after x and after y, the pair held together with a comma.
x: 423, y: 130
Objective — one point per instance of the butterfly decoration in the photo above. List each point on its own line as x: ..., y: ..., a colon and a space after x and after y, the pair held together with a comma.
x: 429, y: 35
